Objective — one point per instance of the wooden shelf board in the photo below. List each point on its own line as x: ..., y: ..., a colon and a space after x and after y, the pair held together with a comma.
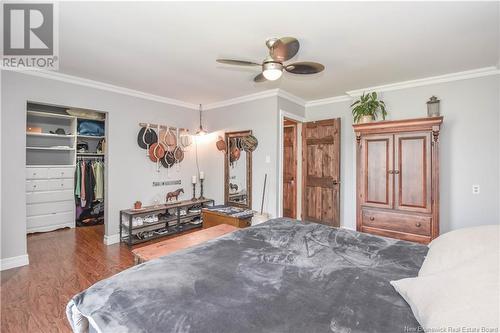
x: 183, y: 203
x: 50, y: 135
x: 172, y: 231
x: 50, y: 165
x: 50, y: 115
x: 91, y: 119
x: 90, y: 154
x: 90, y: 136
x: 50, y: 148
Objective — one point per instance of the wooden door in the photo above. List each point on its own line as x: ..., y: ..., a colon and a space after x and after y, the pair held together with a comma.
x: 321, y: 171
x: 412, y: 172
x: 377, y: 171
x: 290, y: 170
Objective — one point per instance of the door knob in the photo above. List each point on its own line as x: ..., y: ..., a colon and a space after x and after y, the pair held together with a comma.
x: 336, y: 182
x: 396, y: 172
x: 418, y: 224
x: 372, y: 218
x: 390, y: 172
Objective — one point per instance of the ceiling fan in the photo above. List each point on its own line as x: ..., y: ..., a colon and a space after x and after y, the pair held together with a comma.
x: 280, y: 50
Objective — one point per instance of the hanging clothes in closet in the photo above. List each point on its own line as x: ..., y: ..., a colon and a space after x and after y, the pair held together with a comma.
x: 89, y: 192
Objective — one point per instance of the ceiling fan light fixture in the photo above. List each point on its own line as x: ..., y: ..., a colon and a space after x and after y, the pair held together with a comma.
x: 272, y: 70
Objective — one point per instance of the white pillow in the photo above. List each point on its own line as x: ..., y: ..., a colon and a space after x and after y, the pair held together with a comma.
x: 464, y: 297
x: 453, y: 248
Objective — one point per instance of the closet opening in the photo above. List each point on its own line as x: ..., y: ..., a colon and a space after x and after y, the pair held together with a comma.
x: 290, y: 166
x: 65, y: 167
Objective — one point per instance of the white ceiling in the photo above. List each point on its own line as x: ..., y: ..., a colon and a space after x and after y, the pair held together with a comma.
x: 169, y: 49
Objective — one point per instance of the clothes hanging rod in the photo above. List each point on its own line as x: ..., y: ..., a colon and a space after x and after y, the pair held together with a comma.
x: 90, y: 157
x: 162, y: 127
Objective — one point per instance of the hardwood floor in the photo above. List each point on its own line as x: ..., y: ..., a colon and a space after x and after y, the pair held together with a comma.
x: 62, y: 263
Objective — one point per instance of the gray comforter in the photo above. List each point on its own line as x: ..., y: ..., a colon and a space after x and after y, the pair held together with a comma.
x: 280, y: 276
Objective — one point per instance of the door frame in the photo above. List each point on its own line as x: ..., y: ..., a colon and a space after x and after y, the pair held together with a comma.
x: 300, y: 120
x: 288, y: 123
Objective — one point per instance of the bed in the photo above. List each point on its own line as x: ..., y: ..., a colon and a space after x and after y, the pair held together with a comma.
x: 280, y: 276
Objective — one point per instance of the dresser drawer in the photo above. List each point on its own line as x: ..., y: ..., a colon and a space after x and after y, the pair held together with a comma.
x: 61, y: 172
x: 36, y: 173
x: 61, y: 184
x: 37, y: 185
x: 413, y: 224
x: 49, y: 208
x: 43, y: 222
x: 39, y: 197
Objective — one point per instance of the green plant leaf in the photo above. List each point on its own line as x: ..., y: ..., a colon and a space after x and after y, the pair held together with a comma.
x: 368, y: 105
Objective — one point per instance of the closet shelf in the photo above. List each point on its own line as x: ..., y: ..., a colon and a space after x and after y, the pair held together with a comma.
x: 90, y: 154
x: 90, y: 136
x: 50, y: 115
x: 91, y: 119
x: 50, y: 135
x: 50, y: 148
x: 50, y: 165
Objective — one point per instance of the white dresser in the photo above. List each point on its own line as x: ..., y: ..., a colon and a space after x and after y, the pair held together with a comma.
x: 50, y: 201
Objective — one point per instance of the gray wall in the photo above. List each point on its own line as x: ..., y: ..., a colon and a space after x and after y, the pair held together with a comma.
x: 131, y: 174
x: 469, y: 144
x: 260, y: 116
x: 291, y: 107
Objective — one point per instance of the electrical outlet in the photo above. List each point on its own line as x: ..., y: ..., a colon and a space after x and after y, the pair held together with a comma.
x: 476, y: 189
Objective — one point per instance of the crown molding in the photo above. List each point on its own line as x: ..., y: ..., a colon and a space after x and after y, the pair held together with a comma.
x: 323, y: 101
x: 476, y: 73
x: 260, y: 95
x: 291, y: 97
x: 105, y: 86
x: 457, y: 76
x: 242, y: 99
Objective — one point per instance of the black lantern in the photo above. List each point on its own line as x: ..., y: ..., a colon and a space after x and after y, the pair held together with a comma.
x: 433, y: 107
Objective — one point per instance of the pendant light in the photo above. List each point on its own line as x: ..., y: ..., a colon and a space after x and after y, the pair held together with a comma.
x: 200, y: 130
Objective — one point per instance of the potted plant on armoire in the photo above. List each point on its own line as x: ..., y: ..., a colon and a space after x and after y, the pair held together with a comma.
x: 366, y: 108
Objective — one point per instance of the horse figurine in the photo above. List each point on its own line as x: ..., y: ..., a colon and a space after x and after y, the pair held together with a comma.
x: 175, y: 194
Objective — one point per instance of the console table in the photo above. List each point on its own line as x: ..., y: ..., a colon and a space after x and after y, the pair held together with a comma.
x: 170, y: 220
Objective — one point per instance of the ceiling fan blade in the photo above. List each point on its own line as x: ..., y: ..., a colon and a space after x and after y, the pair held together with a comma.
x: 284, y: 49
x: 260, y: 78
x: 237, y: 62
x: 305, y: 67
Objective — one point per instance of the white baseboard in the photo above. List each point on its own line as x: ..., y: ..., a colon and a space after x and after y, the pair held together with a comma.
x: 112, y: 239
x: 51, y: 227
x: 14, y: 262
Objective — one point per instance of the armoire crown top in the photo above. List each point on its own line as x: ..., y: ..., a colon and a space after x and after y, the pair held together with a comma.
x: 429, y: 123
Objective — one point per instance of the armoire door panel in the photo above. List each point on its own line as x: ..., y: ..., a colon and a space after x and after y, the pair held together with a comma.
x: 377, y: 177
x: 413, y: 172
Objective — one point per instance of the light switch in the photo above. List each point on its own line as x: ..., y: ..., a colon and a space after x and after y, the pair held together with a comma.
x: 476, y: 189
x: 268, y: 159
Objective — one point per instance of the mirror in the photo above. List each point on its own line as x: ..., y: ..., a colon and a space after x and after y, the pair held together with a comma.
x: 237, y: 171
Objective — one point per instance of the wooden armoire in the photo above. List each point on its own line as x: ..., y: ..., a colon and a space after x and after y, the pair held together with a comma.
x: 398, y: 178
